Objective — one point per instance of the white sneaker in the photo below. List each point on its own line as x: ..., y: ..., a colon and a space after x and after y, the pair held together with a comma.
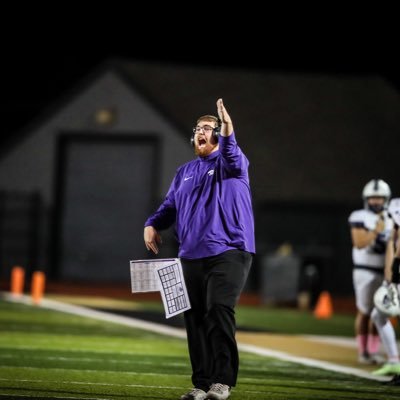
x: 365, y: 359
x: 219, y: 391
x: 377, y: 358
x: 195, y: 394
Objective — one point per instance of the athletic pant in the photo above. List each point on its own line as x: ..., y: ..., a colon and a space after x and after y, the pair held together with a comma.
x: 214, y: 285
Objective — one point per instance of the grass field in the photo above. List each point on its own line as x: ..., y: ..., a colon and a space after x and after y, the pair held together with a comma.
x: 45, y: 354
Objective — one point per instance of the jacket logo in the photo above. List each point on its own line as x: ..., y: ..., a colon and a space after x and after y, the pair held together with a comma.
x: 210, y: 172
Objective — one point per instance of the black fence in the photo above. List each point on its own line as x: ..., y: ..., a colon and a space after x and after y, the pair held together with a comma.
x: 20, y: 227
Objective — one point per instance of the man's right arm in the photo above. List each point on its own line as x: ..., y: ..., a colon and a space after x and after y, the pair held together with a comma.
x: 362, y: 235
x: 163, y: 218
x: 151, y: 239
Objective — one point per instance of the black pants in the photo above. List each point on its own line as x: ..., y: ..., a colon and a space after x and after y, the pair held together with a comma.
x: 214, y: 285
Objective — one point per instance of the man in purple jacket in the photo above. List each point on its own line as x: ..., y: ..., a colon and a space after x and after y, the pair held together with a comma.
x: 209, y: 201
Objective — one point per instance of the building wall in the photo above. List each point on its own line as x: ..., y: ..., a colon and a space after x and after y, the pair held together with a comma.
x: 311, y: 140
x: 31, y: 166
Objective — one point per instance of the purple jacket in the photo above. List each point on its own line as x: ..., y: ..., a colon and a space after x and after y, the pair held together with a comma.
x: 210, y: 202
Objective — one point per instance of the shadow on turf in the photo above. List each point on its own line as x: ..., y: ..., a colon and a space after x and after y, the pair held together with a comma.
x: 159, y: 318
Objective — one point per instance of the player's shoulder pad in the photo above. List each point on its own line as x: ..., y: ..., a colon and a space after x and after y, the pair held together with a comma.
x: 358, y: 216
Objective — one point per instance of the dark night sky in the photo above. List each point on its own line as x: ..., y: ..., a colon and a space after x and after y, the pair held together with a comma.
x: 46, y: 50
x: 33, y: 78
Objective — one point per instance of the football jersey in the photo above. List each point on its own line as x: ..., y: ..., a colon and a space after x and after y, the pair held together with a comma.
x: 394, y: 210
x: 372, y: 255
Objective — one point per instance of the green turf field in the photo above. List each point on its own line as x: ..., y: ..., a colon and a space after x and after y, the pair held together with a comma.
x: 52, y: 355
x: 280, y: 320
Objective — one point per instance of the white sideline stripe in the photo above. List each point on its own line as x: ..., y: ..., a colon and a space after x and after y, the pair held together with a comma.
x: 101, y: 315
x: 180, y: 333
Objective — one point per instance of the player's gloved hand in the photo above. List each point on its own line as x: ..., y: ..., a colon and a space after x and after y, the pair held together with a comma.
x: 394, y: 295
x: 387, y: 301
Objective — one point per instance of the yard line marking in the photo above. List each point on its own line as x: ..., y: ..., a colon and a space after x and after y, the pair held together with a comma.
x: 94, y: 383
x: 91, y: 359
x: 111, y: 384
x: 93, y: 371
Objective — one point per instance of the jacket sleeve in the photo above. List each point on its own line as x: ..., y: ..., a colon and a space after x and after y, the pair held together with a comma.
x: 234, y: 160
x: 165, y: 215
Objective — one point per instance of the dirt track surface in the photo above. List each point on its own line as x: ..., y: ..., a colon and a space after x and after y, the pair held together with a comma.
x: 342, y: 352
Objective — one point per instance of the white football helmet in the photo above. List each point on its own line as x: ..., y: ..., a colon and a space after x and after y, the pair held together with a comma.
x: 376, y: 188
x: 394, y: 210
x: 387, y: 301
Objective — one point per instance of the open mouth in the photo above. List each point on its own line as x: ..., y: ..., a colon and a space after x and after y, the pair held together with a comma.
x: 201, y: 142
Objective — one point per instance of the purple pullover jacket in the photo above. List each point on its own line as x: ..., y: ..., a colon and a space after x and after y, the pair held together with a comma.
x: 209, y: 201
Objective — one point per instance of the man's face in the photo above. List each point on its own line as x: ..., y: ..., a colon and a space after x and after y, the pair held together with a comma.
x: 376, y: 203
x: 204, y: 143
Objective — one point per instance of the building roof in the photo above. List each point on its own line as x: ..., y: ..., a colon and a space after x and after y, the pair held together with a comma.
x: 309, y: 137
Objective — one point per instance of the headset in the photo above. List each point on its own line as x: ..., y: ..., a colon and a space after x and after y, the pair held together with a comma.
x: 215, y: 132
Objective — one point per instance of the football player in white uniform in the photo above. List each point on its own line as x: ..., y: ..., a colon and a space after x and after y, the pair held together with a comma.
x: 387, y: 301
x: 371, y: 229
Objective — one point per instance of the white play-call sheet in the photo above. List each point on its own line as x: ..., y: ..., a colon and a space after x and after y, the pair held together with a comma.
x: 165, y: 276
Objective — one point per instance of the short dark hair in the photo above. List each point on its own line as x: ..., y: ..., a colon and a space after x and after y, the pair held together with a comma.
x: 209, y: 118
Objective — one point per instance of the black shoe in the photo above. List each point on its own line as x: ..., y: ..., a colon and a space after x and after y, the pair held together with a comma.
x: 395, y: 381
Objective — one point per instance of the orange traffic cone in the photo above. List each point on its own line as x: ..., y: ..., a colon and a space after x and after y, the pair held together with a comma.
x: 324, y: 308
x: 37, y: 287
x: 17, y: 281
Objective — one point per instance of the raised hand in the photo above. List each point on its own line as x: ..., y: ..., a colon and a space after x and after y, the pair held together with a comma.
x: 222, y: 113
x: 226, y: 122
